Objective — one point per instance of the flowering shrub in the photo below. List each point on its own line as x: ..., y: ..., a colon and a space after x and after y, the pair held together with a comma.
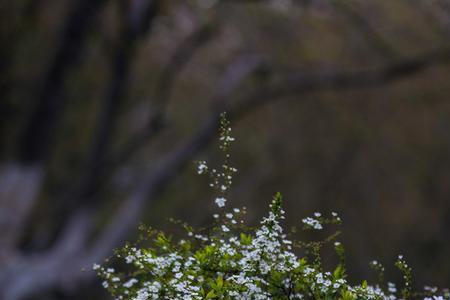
x: 233, y: 261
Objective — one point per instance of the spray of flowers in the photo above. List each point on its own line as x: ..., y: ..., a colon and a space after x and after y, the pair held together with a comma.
x: 230, y: 260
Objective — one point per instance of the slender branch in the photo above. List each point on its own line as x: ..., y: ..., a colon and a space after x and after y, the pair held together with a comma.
x: 299, y: 83
x: 361, y: 24
x: 156, y: 122
x: 436, y: 14
x: 183, y: 54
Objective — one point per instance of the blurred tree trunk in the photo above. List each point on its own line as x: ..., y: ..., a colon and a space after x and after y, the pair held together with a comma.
x: 37, y: 138
x: 21, y: 180
x: 136, y: 18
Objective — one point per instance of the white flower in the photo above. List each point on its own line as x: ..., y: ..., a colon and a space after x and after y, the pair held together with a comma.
x: 202, y: 167
x: 220, y: 201
x: 129, y: 259
x: 391, y: 287
x: 313, y: 223
x: 130, y: 283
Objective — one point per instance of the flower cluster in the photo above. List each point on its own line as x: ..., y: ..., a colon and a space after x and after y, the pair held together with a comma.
x: 221, y: 178
x: 234, y: 261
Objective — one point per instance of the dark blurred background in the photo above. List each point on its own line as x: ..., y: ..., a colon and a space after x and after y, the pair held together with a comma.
x: 104, y: 105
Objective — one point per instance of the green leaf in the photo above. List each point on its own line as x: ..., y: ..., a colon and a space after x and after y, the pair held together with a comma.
x: 211, y: 295
x: 219, y: 282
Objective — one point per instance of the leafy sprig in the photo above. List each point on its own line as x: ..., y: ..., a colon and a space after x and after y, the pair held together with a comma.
x: 230, y: 260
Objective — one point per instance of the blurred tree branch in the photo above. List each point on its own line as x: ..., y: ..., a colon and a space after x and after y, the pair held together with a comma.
x: 437, y: 15
x: 183, y: 54
x: 362, y: 25
x: 105, y: 162
x: 295, y: 83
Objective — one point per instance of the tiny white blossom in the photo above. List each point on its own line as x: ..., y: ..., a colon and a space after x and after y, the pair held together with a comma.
x: 202, y: 167
x: 220, y: 201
